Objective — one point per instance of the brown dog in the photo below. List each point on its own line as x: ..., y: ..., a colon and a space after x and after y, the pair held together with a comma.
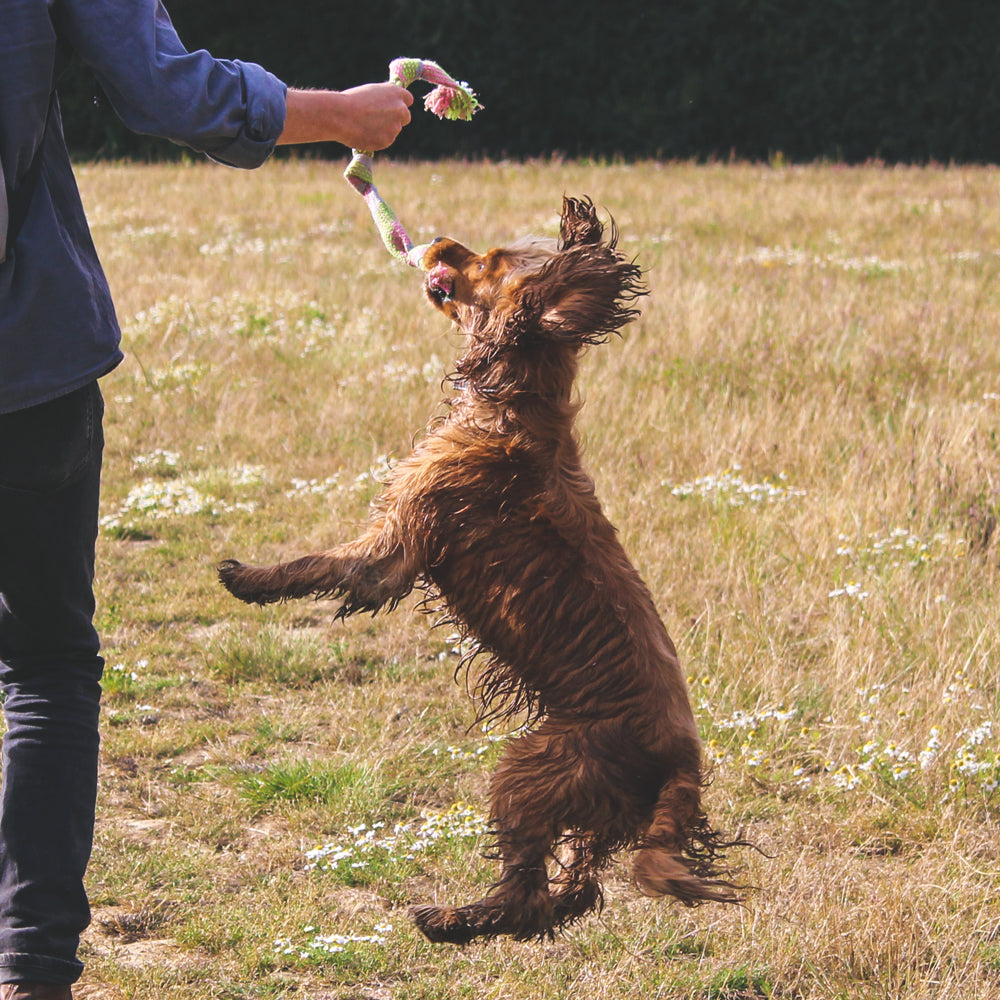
x: 494, y: 512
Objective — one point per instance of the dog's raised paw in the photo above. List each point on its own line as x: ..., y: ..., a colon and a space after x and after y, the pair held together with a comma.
x: 231, y: 576
x: 228, y: 570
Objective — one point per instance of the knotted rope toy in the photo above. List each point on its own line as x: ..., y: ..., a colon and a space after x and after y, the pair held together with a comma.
x: 449, y: 99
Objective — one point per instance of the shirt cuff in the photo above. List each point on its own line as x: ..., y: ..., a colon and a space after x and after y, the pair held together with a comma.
x: 264, y: 95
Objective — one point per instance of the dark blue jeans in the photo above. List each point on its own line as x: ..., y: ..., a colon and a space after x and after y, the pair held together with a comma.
x: 50, y: 671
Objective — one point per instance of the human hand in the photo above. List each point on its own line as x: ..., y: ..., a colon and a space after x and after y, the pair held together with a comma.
x: 368, y: 117
x: 376, y: 115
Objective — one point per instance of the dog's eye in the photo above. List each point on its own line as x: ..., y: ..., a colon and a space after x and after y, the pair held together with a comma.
x: 482, y: 266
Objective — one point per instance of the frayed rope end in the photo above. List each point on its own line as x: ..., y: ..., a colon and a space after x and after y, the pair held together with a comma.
x: 453, y: 104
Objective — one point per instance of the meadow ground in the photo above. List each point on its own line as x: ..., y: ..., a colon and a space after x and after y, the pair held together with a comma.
x: 798, y: 444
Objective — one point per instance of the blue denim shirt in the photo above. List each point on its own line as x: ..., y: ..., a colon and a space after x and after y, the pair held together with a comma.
x: 58, y: 328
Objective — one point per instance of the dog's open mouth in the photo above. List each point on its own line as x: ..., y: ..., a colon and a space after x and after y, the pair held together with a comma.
x: 440, y: 283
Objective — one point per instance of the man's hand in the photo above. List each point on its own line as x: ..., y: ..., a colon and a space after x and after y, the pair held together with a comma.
x: 368, y: 117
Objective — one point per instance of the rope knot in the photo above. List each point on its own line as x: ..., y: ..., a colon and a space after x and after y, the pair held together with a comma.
x: 450, y: 99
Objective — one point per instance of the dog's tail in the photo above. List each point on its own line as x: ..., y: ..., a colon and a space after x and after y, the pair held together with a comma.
x: 310, y: 575
x: 680, y: 855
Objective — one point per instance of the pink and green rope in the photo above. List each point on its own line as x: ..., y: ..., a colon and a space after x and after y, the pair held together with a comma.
x: 449, y: 99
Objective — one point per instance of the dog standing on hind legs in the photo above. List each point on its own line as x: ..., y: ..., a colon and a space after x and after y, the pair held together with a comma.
x: 494, y: 512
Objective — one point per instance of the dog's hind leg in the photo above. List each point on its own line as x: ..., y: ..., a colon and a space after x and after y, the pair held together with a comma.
x: 677, y: 854
x: 576, y: 886
x: 527, y: 824
x: 367, y: 574
x: 520, y: 904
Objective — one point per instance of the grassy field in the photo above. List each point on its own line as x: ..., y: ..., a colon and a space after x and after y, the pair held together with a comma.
x: 798, y: 444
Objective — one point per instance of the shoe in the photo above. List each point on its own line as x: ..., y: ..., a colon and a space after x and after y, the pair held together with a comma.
x: 34, y: 991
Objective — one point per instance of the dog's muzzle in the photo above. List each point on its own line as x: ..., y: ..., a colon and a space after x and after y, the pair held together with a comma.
x: 440, y: 283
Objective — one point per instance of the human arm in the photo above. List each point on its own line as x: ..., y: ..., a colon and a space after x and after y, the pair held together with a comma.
x: 367, y: 117
x: 234, y: 111
x: 231, y: 110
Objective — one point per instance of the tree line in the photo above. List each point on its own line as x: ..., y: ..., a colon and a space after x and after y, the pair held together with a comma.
x: 846, y: 80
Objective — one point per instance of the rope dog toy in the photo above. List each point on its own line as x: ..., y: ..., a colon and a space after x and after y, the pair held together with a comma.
x: 449, y: 99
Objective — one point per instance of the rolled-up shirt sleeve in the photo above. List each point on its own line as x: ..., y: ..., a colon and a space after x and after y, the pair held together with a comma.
x: 231, y: 110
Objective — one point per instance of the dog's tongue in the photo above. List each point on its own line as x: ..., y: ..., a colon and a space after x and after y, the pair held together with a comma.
x: 439, y: 279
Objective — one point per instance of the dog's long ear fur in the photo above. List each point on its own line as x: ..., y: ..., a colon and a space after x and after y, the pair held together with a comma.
x: 582, y: 293
x: 579, y: 223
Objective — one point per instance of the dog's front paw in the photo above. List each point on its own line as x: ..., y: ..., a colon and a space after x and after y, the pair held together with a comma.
x: 233, y: 576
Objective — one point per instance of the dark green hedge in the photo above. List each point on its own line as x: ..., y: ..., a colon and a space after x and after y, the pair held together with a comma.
x: 901, y: 80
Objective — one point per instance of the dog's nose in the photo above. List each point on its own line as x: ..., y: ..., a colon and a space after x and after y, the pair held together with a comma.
x: 437, y: 239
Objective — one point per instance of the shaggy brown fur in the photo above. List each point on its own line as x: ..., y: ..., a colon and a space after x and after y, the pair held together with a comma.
x: 494, y: 512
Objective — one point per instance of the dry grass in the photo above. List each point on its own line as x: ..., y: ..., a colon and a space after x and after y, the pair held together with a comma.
x: 798, y: 442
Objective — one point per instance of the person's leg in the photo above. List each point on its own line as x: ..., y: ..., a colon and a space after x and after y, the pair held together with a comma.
x: 50, y: 669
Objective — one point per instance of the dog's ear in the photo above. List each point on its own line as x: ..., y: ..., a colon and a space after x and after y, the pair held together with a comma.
x: 579, y: 224
x: 588, y: 303
x: 582, y: 294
